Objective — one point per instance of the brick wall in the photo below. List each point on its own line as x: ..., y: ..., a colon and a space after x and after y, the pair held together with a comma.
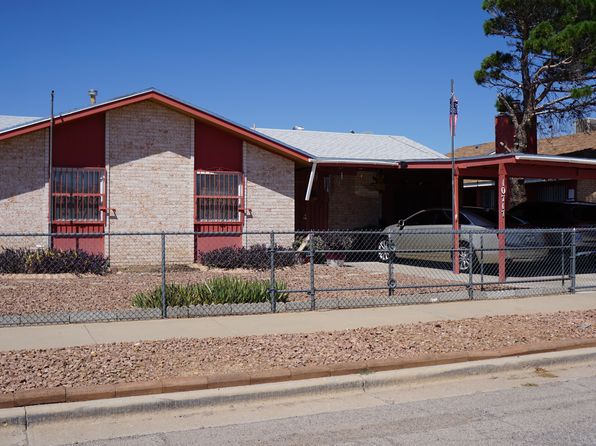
x: 586, y: 190
x: 353, y: 201
x: 269, y: 194
x: 24, y: 188
x: 150, y: 162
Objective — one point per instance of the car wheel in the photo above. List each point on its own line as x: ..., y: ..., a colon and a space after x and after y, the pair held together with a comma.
x: 386, y: 248
x: 466, y: 260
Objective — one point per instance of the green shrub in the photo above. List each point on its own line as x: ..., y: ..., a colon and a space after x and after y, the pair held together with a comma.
x: 220, y: 290
x: 51, y: 261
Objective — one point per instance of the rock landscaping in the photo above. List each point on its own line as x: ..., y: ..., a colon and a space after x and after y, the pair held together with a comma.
x: 31, y: 294
x: 146, y: 361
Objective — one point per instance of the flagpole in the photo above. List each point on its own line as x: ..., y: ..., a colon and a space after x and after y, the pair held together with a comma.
x: 452, y: 130
x: 455, y: 238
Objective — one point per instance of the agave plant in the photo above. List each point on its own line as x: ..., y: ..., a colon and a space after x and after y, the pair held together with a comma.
x: 219, y: 290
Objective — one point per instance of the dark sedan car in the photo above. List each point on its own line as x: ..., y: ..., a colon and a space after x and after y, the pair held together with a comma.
x: 571, y: 214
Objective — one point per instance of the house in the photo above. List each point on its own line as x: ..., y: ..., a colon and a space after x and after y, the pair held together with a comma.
x: 581, y: 144
x: 148, y: 162
x: 98, y: 176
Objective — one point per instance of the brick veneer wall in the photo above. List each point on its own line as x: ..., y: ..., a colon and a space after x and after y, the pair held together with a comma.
x: 353, y: 201
x: 24, y: 188
x: 150, y: 162
x: 586, y: 190
x: 269, y: 194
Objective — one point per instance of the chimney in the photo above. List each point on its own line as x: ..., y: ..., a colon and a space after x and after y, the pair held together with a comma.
x: 585, y: 125
x: 92, y: 96
x: 505, y: 135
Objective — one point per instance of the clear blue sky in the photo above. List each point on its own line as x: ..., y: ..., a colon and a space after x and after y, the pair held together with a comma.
x: 378, y: 66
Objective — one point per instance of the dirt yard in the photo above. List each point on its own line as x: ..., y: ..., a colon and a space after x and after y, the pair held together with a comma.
x: 25, y: 294
x: 141, y: 361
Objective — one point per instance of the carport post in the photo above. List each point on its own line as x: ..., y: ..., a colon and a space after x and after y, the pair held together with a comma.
x: 502, y: 186
x: 481, y: 262
x: 470, y: 268
x: 311, y: 255
x: 572, y: 265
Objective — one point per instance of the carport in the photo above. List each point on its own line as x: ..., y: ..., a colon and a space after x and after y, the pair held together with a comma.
x: 500, y: 168
x: 437, y: 171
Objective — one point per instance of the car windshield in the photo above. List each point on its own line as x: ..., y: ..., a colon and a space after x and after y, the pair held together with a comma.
x: 434, y: 217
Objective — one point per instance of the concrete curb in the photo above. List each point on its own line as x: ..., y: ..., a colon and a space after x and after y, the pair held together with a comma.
x: 353, y: 383
x: 12, y: 402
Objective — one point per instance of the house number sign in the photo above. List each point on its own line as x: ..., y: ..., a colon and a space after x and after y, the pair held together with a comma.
x: 503, y: 191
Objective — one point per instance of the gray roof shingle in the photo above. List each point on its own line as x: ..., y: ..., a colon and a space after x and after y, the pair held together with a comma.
x: 7, y: 121
x: 354, y: 146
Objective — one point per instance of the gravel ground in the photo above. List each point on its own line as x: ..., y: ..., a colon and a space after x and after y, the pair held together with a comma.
x: 129, y: 362
x: 26, y: 294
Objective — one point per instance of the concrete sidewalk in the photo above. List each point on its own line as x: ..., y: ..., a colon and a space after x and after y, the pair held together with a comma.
x: 51, y: 336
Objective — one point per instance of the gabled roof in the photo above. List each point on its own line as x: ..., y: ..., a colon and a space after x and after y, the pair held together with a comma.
x: 7, y: 121
x: 168, y: 101
x: 353, y: 146
x: 561, y: 145
x: 298, y: 145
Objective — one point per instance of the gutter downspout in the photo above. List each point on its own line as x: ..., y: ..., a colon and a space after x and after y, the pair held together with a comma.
x: 311, y: 180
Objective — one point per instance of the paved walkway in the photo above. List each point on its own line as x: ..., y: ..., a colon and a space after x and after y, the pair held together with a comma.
x: 14, y: 338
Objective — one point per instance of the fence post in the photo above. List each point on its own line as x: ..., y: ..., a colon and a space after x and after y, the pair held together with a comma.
x: 562, y: 259
x: 311, y: 248
x: 572, y: 262
x: 272, y: 286
x: 471, y: 268
x: 482, y: 262
x: 390, y: 280
x: 164, y: 307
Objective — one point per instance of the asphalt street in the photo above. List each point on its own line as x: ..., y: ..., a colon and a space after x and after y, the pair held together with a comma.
x: 541, y: 407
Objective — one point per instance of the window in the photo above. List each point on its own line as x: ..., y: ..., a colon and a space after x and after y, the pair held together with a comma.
x: 78, y: 194
x: 488, y: 198
x: 218, y: 196
x: 434, y: 217
x: 553, y: 192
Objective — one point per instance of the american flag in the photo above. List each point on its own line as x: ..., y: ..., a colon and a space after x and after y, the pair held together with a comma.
x: 453, y: 103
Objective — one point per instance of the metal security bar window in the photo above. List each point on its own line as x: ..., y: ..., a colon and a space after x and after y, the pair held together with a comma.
x: 78, y: 194
x: 218, y: 196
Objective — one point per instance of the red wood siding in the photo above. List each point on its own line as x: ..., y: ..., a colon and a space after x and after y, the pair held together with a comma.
x: 312, y: 214
x: 80, y: 143
x: 90, y: 244
x: 216, y: 149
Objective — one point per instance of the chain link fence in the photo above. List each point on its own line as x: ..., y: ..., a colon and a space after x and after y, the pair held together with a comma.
x: 127, y: 276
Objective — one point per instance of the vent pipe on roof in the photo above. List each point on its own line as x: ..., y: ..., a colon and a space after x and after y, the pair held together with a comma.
x: 93, y: 96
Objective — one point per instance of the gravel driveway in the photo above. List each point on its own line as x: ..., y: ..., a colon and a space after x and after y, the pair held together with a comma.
x: 129, y: 362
